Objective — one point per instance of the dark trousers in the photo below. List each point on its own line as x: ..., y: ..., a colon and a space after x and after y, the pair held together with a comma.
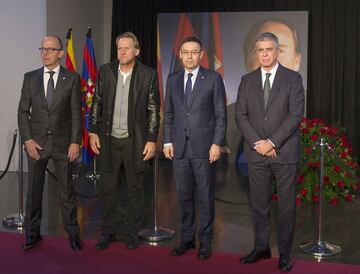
x: 36, y: 180
x: 260, y: 176
x: 193, y: 177
x: 113, y: 213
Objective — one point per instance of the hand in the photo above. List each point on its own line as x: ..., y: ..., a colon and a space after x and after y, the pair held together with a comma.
x: 94, y: 143
x: 169, y: 151
x: 73, y: 152
x: 271, y: 153
x: 214, y: 153
x: 149, y: 150
x: 263, y: 147
x: 32, y: 148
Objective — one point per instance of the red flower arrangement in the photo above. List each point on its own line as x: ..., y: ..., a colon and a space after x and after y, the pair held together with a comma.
x: 341, y: 180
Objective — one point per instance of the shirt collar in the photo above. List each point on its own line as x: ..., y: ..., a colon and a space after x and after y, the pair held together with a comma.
x: 272, y: 71
x: 194, y: 72
x: 56, y: 70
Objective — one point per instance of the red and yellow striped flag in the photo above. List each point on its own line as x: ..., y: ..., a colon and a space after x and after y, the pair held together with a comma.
x: 70, y: 56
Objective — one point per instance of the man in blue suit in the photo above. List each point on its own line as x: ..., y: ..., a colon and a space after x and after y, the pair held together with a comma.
x: 194, y: 130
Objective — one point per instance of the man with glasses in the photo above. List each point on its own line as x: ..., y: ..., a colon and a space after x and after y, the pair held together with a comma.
x: 194, y: 131
x: 49, y: 118
x: 269, y: 108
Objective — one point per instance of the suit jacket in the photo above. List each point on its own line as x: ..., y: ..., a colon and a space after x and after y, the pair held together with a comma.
x: 62, y: 121
x: 204, y: 120
x: 143, y: 110
x: 278, y: 121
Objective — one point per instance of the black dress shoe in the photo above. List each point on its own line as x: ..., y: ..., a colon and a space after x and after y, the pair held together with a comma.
x: 31, y: 242
x: 181, y: 250
x: 204, y: 251
x: 75, y: 243
x: 285, y: 264
x: 254, y: 256
x: 104, y: 242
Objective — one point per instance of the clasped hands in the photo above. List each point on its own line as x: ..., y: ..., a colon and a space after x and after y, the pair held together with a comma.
x: 265, y: 148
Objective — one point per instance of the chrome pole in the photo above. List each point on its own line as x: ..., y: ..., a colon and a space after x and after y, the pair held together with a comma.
x: 319, y: 247
x: 18, y: 220
x: 157, y: 233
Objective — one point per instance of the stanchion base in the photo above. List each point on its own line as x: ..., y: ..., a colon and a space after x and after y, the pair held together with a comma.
x: 16, y: 220
x: 156, y: 234
x: 320, y: 249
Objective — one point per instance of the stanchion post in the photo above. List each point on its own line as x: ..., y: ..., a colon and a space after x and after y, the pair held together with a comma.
x: 157, y: 233
x: 18, y: 220
x: 320, y: 248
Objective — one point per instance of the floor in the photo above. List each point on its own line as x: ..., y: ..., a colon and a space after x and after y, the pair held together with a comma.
x: 233, y: 225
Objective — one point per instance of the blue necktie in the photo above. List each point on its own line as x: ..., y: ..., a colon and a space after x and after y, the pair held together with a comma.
x: 267, y: 88
x: 50, y: 89
x: 188, y: 89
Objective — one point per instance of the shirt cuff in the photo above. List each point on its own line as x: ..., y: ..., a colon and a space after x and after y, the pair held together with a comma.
x: 167, y: 144
x: 271, y: 142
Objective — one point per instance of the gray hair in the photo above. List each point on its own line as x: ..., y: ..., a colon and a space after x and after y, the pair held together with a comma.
x: 267, y: 36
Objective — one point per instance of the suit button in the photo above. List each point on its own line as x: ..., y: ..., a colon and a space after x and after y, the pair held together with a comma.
x: 265, y: 118
x: 188, y: 114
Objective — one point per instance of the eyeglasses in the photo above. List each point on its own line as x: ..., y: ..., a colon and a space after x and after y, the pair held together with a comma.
x: 48, y: 50
x: 187, y: 53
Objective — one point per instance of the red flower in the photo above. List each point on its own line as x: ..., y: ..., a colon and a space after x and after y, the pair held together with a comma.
x: 326, y: 180
x: 309, y: 150
x: 323, y: 130
x: 313, y: 137
x: 300, y: 179
x: 303, y: 191
x: 274, y: 197
x: 317, y: 164
x: 317, y: 189
x: 334, y: 201
x: 335, y: 130
x: 298, y: 201
x: 341, y: 184
x: 348, y: 197
x: 305, y: 130
x: 316, y: 198
x: 343, y: 154
x: 337, y: 168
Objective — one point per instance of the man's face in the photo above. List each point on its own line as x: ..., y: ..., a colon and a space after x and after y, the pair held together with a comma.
x: 126, y: 51
x: 288, y: 56
x: 267, y: 54
x: 191, y: 55
x: 51, y: 60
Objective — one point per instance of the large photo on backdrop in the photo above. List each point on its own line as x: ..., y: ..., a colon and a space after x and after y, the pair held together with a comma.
x: 228, y: 40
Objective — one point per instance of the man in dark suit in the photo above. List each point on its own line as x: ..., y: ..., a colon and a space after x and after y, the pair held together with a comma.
x: 49, y: 118
x: 268, y: 110
x: 194, y: 131
x: 124, y: 124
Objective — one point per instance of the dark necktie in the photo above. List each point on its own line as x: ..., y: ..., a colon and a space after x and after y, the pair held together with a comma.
x: 188, y: 88
x: 50, y: 89
x: 267, y: 88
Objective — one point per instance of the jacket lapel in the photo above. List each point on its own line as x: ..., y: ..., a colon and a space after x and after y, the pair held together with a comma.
x: 40, y: 83
x: 199, y: 81
x: 275, y: 86
x: 59, y: 86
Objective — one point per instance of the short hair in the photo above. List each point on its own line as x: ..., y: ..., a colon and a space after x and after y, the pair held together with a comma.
x: 191, y: 39
x: 58, y: 39
x: 267, y: 36
x: 251, y: 35
x: 129, y: 34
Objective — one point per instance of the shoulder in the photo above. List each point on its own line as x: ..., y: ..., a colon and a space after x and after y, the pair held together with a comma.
x: 33, y: 73
x: 252, y: 75
x: 144, y: 68
x: 291, y: 74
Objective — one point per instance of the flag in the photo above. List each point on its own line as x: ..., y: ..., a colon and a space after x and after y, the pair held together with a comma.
x: 70, y: 56
x: 88, y: 80
x: 206, y: 26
